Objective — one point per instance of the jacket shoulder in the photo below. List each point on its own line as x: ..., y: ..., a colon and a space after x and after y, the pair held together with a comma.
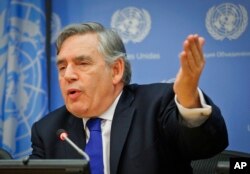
x: 153, y: 89
x: 56, y: 115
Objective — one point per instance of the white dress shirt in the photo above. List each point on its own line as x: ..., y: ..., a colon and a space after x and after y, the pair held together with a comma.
x: 106, y: 128
x: 191, y: 117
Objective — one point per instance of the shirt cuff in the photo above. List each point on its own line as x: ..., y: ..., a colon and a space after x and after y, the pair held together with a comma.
x: 196, y: 116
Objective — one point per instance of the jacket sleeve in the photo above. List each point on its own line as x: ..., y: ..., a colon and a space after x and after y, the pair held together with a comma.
x: 204, y: 141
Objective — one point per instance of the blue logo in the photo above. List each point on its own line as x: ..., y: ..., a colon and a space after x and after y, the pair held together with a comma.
x: 22, y: 74
x: 132, y: 24
x: 226, y: 21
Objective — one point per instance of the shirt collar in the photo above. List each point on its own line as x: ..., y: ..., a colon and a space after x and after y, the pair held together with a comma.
x: 109, y: 113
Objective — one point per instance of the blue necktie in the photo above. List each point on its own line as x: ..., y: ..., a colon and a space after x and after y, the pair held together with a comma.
x: 94, y: 146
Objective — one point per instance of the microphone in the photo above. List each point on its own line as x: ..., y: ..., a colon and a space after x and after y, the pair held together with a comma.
x: 62, y: 134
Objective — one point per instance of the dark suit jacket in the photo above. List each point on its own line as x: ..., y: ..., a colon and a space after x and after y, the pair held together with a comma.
x: 147, y: 134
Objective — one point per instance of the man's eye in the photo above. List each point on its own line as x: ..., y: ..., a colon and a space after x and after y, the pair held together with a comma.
x: 83, y: 63
x: 60, y: 68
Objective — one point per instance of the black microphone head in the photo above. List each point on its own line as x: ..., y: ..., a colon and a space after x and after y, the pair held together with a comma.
x: 60, y: 131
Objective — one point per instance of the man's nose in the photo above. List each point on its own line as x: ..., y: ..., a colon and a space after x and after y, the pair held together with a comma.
x: 70, y: 73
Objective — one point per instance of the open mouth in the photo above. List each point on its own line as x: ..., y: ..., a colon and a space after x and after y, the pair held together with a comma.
x: 73, y: 93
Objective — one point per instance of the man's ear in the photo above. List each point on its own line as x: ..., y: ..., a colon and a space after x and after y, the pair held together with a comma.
x: 118, y: 70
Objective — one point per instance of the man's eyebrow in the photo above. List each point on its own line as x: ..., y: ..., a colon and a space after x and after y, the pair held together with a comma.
x: 78, y: 58
x: 60, y: 61
x: 82, y: 57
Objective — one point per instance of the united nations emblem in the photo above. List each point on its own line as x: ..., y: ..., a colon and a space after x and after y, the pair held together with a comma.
x: 22, y: 74
x: 132, y: 24
x: 226, y: 21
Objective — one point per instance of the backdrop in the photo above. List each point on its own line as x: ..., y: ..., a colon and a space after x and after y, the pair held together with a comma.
x: 153, y: 33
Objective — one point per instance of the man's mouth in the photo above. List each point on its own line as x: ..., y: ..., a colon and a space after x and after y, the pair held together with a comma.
x: 73, y: 93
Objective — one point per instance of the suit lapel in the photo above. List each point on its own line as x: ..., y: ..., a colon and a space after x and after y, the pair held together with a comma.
x: 120, y: 126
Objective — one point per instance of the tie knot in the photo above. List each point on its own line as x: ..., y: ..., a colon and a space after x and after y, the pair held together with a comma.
x: 94, y: 124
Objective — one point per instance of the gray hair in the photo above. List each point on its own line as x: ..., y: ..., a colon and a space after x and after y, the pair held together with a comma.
x: 110, y: 43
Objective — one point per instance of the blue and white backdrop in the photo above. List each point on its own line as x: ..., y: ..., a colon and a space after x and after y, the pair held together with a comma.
x: 153, y: 32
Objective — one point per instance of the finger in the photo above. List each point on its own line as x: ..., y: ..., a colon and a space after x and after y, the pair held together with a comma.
x: 184, y: 62
x: 200, y: 43
x: 194, y: 48
x: 189, y: 56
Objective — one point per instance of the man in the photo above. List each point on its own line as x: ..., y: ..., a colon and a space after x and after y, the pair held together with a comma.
x: 154, y: 128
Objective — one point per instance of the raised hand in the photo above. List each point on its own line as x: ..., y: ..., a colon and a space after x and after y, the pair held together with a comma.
x: 192, y: 63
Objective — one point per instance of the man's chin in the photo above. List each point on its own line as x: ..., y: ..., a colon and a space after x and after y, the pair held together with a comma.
x: 76, y: 112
